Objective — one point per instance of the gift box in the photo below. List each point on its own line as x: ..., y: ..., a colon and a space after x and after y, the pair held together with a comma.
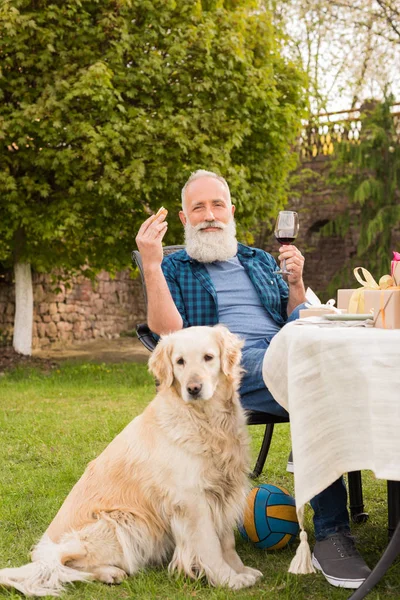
x: 395, y: 270
x: 354, y: 300
x: 343, y: 300
x: 357, y: 304
x: 385, y: 305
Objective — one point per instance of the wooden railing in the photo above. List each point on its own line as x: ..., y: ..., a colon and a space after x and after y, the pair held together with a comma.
x: 321, y: 133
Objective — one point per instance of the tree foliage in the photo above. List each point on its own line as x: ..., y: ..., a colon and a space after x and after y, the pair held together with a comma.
x: 369, y: 173
x: 106, y: 106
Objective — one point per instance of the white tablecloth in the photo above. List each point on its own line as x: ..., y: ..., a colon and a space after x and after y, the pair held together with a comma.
x: 341, y: 386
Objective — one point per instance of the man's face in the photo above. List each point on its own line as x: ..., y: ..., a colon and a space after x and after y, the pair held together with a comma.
x: 210, y: 231
x: 206, y: 200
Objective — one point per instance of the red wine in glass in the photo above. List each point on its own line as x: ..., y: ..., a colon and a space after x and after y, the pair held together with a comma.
x: 286, y: 230
x: 285, y: 240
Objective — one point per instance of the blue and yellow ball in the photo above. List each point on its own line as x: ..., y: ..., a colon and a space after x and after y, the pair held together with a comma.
x: 269, y: 519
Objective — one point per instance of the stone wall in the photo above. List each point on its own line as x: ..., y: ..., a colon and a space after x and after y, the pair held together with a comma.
x: 7, y: 307
x: 78, y: 313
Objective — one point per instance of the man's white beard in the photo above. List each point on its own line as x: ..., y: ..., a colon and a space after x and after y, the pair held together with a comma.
x: 208, y: 246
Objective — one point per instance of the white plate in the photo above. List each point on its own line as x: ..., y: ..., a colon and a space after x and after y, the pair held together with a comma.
x: 348, y: 317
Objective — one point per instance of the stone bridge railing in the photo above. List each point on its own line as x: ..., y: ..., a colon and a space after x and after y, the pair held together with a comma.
x: 321, y: 133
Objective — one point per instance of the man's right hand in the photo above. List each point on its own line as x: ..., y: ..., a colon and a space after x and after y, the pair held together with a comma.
x: 149, y: 240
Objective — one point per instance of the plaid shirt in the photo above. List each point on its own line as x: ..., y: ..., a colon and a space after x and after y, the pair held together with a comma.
x: 194, y: 294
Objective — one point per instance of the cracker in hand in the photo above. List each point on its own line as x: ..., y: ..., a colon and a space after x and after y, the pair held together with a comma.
x: 161, y: 210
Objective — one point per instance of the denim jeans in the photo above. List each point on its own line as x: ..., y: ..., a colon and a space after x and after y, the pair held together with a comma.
x: 330, y: 506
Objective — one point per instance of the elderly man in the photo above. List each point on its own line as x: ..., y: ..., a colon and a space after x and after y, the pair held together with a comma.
x: 217, y: 280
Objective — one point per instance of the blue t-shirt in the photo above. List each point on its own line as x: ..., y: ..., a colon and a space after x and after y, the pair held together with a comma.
x: 239, y: 305
x: 195, y: 296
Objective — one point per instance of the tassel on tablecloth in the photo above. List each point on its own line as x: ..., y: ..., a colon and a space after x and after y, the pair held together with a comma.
x: 301, y: 563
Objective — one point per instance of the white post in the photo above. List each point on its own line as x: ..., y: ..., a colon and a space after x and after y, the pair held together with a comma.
x: 23, y: 321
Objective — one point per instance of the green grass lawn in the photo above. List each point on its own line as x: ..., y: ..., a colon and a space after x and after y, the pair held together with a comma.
x: 52, y: 424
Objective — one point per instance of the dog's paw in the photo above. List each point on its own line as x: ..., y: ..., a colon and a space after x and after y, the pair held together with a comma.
x: 257, y: 574
x: 109, y: 574
x: 242, y: 580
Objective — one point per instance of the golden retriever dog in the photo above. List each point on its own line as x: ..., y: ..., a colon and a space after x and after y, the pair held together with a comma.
x: 170, y: 487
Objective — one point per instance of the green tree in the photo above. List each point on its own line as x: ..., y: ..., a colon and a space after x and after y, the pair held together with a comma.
x: 106, y: 106
x: 369, y: 173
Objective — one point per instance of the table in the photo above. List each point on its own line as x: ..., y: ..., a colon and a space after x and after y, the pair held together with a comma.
x: 341, y: 386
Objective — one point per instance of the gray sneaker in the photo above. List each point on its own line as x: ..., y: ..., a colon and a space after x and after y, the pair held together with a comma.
x: 339, y: 561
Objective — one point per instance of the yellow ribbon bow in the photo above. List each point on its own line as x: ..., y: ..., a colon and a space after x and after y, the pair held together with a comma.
x: 356, y: 304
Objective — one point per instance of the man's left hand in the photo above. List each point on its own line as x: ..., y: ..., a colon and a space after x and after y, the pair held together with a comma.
x: 294, y: 263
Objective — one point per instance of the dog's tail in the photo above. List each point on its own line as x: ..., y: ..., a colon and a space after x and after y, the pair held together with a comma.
x: 47, y: 574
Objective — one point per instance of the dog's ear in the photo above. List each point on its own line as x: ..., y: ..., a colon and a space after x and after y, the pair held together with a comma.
x: 230, y: 348
x: 160, y: 364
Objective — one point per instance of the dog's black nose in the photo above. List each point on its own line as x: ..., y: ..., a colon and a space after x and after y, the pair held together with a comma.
x: 194, y: 389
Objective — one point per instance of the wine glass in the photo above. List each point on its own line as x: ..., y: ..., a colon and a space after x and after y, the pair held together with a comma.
x: 286, y: 230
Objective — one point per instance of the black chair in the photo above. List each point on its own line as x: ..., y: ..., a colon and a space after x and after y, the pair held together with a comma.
x: 393, y: 548
x: 253, y: 417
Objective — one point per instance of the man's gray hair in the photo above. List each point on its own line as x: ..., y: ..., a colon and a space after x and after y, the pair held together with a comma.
x: 202, y: 173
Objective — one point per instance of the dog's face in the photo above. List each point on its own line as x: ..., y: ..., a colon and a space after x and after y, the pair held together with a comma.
x: 195, y: 358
